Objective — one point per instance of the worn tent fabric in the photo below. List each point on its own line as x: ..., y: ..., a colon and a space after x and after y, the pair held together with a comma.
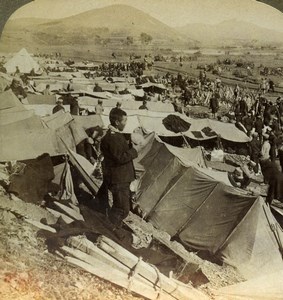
x: 154, y: 124
x: 84, y: 169
x: 198, y: 130
x: 41, y: 99
x: 217, y: 215
x: 24, y: 61
x: 9, y: 100
x: 153, y: 85
x: 149, y: 141
x: 66, y: 186
x: 220, y: 166
x: 89, y: 121
x: 110, y: 100
x: 84, y: 163
x: 7, y: 116
x: 87, y: 97
x: 78, y: 132
x: 30, y: 137
x: 84, y: 65
x: 217, y: 175
x: 226, y: 131
x: 187, y: 156
x: 54, y: 85
x: 60, y: 124
x: 90, y: 102
x: 137, y: 92
x: 229, y: 132
x: 58, y: 171
x: 194, y: 204
x: 43, y: 110
x: 139, y: 112
x: 163, y: 163
x: 160, y: 107
x: 199, y: 201
x: 58, y: 120
x: 66, y: 128
x: 266, y: 287
x: 259, y: 237
x: 110, y: 87
x: 4, y: 82
x: 19, y: 146
x: 33, y: 122
x: 158, y: 180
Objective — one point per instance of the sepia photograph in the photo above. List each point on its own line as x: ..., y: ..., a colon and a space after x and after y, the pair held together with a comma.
x: 141, y: 149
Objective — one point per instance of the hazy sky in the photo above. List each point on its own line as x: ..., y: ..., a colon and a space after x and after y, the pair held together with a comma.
x: 171, y: 12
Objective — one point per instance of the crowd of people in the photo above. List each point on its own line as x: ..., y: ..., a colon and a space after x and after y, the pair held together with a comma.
x: 250, y: 110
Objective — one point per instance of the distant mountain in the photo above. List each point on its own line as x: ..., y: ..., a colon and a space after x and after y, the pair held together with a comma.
x: 97, y: 26
x: 231, y: 33
x: 25, y: 23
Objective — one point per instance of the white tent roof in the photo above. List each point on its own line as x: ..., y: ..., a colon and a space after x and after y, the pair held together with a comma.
x: 24, y: 61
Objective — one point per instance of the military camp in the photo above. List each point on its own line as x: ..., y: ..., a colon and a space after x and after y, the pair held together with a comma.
x: 141, y: 157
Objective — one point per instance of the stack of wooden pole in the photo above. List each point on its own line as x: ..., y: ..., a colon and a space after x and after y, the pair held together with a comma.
x: 110, y: 261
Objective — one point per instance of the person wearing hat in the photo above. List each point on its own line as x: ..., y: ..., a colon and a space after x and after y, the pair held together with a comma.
x: 70, y: 86
x: 258, y: 125
x: 59, y: 106
x: 248, y: 122
x: 114, y: 109
x: 17, y: 89
x: 236, y: 178
x: 74, y: 106
x: 116, y: 91
x: 99, y: 109
x: 274, y: 178
x: 243, y: 107
x: 214, y: 105
x: 255, y: 148
x: 47, y: 91
x: 97, y: 88
x: 144, y: 105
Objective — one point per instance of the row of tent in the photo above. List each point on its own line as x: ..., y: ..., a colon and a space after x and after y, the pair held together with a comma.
x: 24, y: 135
x: 18, y: 125
x: 88, y: 100
x: 25, y: 63
x: 150, y: 120
x: 179, y: 195
x: 58, y: 81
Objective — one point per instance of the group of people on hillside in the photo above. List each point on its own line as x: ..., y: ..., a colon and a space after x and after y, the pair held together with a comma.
x: 117, y: 69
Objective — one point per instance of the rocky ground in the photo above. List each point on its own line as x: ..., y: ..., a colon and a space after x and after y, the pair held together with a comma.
x: 29, y: 271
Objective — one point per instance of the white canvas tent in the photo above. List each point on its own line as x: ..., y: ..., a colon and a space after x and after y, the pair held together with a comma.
x: 23, y: 61
x: 267, y: 287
